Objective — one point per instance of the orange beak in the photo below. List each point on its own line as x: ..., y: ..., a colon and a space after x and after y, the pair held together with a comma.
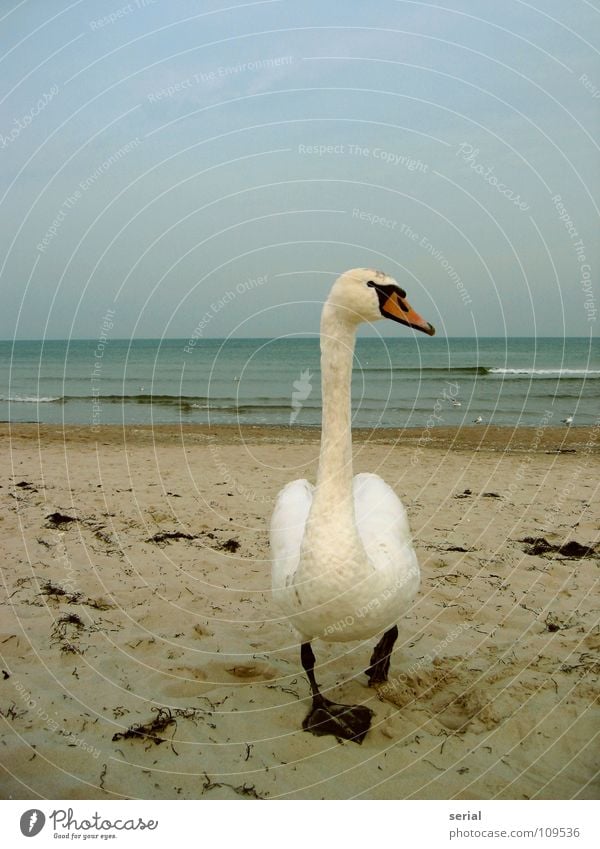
x: 398, y: 309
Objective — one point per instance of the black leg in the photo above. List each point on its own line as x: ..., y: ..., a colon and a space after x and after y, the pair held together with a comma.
x: 380, y: 659
x: 308, y: 662
x: 349, y: 722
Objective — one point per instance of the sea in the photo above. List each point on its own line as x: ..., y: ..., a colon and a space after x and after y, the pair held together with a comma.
x: 397, y: 382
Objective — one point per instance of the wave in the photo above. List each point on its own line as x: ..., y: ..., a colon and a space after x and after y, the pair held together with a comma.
x: 547, y: 372
x: 253, y: 408
x: 140, y: 399
x: 31, y: 399
x: 189, y: 404
x: 480, y: 370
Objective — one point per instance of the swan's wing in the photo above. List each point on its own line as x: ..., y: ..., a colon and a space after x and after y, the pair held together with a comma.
x: 381, y: 520
x: 287, y: 530
x: 384, y: 531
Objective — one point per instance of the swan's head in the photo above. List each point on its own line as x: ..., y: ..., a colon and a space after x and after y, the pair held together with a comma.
x: 367, y: 295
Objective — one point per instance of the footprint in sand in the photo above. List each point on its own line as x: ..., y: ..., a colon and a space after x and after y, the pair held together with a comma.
x: 457, y: 710
x: 252, y: 672
x: 447, y: 694
x: 185, y: 682
x: 142, y: 647
x: 202, y: 630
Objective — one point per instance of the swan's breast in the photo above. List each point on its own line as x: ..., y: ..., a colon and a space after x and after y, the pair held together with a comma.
x: 339, y: 593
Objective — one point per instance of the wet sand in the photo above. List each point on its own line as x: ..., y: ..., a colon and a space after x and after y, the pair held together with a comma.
x: 142, y: 656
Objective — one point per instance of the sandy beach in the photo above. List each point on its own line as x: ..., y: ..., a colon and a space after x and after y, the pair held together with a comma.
x: 142, y: 656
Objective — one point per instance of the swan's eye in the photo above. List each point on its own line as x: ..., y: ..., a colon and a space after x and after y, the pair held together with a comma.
x: 371, y: 283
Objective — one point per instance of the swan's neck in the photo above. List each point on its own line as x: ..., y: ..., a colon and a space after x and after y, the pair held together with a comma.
x: 334, y: 477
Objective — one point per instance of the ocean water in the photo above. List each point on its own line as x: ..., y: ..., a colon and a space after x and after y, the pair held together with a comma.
x: 397, y: 382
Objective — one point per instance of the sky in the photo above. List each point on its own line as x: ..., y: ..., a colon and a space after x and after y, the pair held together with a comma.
x: 208, y: 168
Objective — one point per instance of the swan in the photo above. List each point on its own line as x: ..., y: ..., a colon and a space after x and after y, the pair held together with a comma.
x: 343, y: 564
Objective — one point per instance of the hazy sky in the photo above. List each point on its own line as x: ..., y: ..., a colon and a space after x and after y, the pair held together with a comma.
x: 210, y: 166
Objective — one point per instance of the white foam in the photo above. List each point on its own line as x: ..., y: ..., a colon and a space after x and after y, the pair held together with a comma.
x: 548, y: 372
x: 29, y: 399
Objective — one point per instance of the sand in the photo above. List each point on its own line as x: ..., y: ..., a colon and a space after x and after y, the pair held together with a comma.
x: 142, y: 657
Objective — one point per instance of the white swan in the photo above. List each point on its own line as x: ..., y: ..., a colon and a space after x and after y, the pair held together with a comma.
x: 344, y: 567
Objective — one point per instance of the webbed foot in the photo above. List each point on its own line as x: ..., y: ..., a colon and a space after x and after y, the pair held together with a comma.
x: 348, y: 722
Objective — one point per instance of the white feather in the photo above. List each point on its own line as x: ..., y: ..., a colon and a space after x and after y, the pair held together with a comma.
x: 358, y: 599
x: 287, y: 531
x: 344, y: 567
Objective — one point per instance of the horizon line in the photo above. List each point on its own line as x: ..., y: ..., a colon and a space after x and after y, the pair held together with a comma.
x: 306, y: 335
